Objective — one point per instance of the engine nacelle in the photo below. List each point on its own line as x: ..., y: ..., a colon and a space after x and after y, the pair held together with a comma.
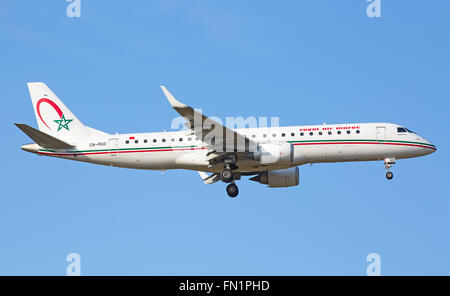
x: 275, y: 153
x: 279, y: 178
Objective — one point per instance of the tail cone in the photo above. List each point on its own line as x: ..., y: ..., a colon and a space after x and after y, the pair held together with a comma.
x: 33, y: 148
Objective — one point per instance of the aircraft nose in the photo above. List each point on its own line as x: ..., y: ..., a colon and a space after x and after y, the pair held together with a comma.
x: 432, y: 147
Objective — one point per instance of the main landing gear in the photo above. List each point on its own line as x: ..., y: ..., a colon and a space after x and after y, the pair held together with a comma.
x: 227, y: 176
x: 388, y: 162
x: 232, y: 190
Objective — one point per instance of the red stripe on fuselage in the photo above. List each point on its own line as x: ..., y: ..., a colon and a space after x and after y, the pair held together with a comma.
x: 203, y: 148
x: 114, y: 152
x: 372, y: 143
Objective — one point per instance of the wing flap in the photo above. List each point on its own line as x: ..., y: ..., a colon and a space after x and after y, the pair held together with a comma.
x: 209, y: 179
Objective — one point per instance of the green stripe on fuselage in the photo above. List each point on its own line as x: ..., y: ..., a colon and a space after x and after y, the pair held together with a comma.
x: 194, y: 146
x: 362, y: 140
x: 125, y: 149
x: 121, y: 149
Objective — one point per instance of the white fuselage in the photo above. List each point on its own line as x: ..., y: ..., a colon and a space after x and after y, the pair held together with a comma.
x: 313, y: 144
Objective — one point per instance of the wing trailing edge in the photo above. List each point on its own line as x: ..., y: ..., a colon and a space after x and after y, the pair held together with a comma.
x: 209, y: 179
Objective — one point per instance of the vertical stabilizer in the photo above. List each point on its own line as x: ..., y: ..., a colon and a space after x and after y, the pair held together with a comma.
x: 53, y: 117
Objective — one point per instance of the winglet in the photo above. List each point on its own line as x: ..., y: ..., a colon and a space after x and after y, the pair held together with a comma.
x: 174, y: 102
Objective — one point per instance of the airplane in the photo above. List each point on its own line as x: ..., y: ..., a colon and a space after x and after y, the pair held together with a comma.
x: 269, y: 155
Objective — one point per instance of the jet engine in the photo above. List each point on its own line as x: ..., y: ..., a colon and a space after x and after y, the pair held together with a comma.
x: 279, y: 178
x: 275, y: 153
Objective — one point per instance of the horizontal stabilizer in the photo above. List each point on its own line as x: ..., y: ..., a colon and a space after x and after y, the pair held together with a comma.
x: 43, y: 139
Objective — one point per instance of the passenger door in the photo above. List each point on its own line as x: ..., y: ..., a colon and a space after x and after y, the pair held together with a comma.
x: 113, y: 147
x: 381, y: 134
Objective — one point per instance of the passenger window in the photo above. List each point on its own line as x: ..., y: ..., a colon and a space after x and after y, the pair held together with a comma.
x: 302, y: 134
x: 348, y: 132
x: 320, y: 133
x: 163, y: 140
x: 145, y: 141
x: 329, y: 132
x: 181, y: 139
x: 339, y: 132
x: 357, y: 131
x: 264, y: 135
x: 173, y: 139
x: 189, y: 139
x: 154, y: 140
x: 274, y: 135
x: 311, y: 133
x: 136, y: 141
x: 283, y: 135
x: 292, y: 134
x: 127, y: 142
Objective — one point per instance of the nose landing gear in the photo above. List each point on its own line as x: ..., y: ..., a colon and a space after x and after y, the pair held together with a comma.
x: 389, y: 175
x: 388, y: 162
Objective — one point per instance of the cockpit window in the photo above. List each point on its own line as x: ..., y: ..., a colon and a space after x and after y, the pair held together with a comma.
x: 404, y: 130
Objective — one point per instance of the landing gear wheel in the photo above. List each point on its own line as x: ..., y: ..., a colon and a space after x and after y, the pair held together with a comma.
x: 232, y: 190
x: 389, y: 175
x: 388, y: 162
x: 226, y: 175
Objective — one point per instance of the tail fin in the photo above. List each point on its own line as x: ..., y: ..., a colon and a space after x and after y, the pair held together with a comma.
x: 53, y: 117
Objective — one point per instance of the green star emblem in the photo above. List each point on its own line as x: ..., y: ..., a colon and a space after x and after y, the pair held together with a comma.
x: 63, y: 125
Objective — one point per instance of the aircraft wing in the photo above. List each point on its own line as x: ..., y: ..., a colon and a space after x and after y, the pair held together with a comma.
x: 218, y: 138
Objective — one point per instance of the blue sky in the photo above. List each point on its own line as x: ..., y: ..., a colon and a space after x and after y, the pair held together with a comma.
x: 304, y: 61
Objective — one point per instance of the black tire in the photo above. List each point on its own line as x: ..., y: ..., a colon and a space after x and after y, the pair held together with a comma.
x: 389, y: 175
x: 226, y: 175
x: 232, y: 190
